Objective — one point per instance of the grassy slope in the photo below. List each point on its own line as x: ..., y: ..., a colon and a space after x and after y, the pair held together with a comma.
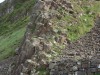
x: 84, y: 22
x: 81, y: 21
x: 12, y: 31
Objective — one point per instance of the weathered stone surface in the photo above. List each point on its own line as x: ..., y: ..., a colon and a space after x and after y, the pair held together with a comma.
x: 36, y: 48
x: 45, y: 38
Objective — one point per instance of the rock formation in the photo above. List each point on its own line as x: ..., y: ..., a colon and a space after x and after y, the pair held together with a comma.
x: 45, y: 44
x: 37, y: 49
x: 41, y: 35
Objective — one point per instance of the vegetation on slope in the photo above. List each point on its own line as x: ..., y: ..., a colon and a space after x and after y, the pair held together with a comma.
x: 79, y: 26
x: 12, y: 28
x: 79, y: 20
x: 12, y: 25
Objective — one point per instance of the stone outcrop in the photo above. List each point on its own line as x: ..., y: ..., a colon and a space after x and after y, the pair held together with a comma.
x: 46, y: 37
x: 41, y: 41
x: 37, y: 49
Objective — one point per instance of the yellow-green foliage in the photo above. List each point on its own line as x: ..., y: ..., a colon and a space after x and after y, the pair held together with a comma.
x: 80, y: 22
x: 84, y: 23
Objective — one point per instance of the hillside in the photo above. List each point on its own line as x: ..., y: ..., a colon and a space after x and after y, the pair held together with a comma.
x: 13, y: 25
x: 85, y: 51
x: 37, y: 31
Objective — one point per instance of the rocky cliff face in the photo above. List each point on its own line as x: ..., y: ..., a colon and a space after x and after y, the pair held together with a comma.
x: 42, y: 40
x: 47, y: 37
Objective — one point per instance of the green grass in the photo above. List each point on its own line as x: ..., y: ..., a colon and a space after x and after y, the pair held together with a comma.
x: 12, y: 29
x: 84, y: 23
x: 8, y: 44
x: 11, y: 36
x: 75, y: 31
x: 6, y: 28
